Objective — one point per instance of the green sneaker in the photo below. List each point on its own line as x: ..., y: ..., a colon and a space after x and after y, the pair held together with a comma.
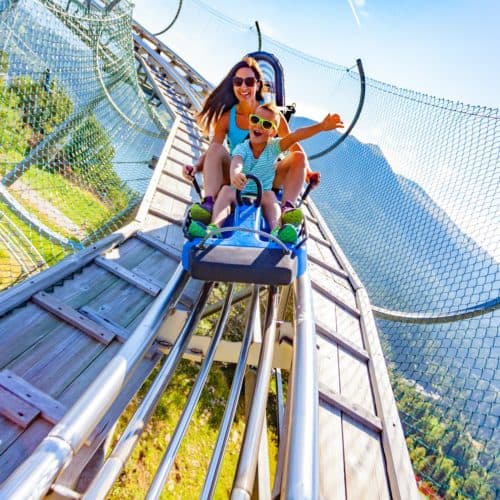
x: 202, y: 211
x: 197, y: 229
x: 214, y: 229
x: 287, y: 233
x: 291, y: 215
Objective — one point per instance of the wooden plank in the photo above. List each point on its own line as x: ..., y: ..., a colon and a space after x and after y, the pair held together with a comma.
x: 122, y: 304
x: 165, y: 216
x: 178, y: 177
x: 25, y: 444
x: 184, y: 199
x: 130, y: 253
x: 355, y: 383
x: 128, y: 276
x: 16, y: 295
x: 147, y: 277
x: 365, y: 474
x: 52, y: 364
x: 399, y: 468
x: 50, y: 408
x: 348, y: 326
x: 158, y: 245
x: 346, y: 344
x: 122, y: 334
x: 89, y: 283
x: 192, y: 142
x: 355, y: 411
x: 335, y: 298
x: 183, y: 153
x: 327, y: 267
x: 37, y: 324
x: 16, y: 410
x: 331, y: 455
x: 194, y: 133
x: 167, y: 206
x: 336, y: 285
x: 71, y: 473
x: 73, y: 317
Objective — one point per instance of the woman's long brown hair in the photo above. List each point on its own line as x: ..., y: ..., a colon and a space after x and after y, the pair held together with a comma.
x: 222, y: 98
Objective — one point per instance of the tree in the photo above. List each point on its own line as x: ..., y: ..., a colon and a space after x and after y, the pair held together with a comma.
x: 44, y: 105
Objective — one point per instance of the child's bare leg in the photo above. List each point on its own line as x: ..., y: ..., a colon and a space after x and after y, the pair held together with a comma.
x: 271, y: 208
x: 223, y: 203
x: 215, y: 169
x: 291, y: 174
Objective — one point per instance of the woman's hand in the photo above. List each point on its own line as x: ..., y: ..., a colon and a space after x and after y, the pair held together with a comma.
x: 188, y: 172
x: 238, y: 180
x: 331, y: 122
x: 314, y: 178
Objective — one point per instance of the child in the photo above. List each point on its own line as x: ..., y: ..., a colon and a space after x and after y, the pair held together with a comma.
x: 257, y: 156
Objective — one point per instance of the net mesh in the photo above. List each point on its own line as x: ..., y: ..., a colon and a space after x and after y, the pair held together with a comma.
x: 77, y: 133
x: 411, y: 196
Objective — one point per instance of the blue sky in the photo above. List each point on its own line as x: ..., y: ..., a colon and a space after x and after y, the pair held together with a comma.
x: 445, y: 48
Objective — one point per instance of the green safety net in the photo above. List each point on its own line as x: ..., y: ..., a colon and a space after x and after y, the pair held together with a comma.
x: 77, y: 131
x: 410, y: 195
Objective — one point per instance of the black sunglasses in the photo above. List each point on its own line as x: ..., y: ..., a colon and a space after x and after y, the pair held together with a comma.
x: 265, y: 124
x: 249, y: 81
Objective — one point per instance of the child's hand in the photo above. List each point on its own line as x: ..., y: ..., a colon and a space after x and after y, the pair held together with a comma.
x: 239, y: 180
x: 331, y: 122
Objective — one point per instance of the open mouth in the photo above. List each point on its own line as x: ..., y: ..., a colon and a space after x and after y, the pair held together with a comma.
x: 256, y: 133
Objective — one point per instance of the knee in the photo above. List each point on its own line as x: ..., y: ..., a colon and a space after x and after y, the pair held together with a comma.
x: 226, y: 193
x: 298, y: 160
x: 268, y: 198
x: 216, y: 150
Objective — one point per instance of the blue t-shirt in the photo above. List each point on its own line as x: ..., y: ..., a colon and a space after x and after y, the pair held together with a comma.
x: 263, y: 166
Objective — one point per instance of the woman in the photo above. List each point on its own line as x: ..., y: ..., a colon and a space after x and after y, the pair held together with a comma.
x: 226, y: 111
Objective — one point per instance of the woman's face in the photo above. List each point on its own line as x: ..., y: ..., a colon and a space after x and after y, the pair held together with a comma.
x: 245, y: 84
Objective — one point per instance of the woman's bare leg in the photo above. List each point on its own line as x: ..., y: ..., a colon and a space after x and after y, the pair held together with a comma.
x: 215, y: 169
x: 223, y: 204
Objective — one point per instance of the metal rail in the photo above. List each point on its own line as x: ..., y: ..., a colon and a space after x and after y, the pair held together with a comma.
x: 111, y: 469
x: 426, y: 318
x: 301, y: 474
x: 168, y: 459
x: 232, y: 401
x: 247, y: 463
x: 35, y: 475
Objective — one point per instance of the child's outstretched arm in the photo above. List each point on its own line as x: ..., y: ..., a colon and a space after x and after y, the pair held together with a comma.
x: 238, y: 178
x: 330, y: 122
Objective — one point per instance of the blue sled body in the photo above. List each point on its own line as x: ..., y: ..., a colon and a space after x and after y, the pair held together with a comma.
x: 244, y: 255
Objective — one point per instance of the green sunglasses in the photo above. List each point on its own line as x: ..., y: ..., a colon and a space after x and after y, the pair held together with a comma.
x: 266, y: 124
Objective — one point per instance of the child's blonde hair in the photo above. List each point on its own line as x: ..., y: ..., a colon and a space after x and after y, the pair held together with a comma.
x: 273, y: 109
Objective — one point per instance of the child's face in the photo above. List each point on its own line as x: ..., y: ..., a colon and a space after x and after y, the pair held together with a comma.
x: 259, y: 132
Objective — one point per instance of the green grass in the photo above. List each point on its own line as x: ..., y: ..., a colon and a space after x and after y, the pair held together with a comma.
x: 79, y: 205
x: 50, y: 251
x: 10, y: 270
x: 188, y: 473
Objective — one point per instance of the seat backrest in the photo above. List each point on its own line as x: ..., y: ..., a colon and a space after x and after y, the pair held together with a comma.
x: 273, y: 76
x: 274, y: 81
